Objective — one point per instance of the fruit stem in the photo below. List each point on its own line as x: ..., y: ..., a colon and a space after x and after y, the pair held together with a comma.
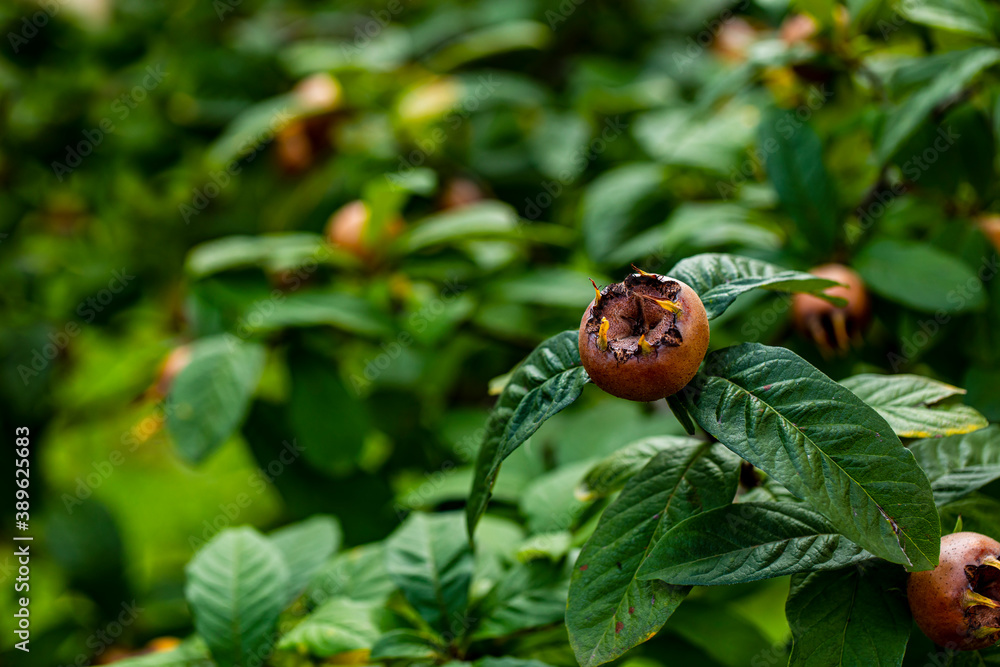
x: 973, y: 599
x: 602, y: 335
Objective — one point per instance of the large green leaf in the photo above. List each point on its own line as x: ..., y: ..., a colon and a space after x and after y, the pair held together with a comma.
x: 274, y: 251
x: 903, y: 121
x: 823, y: 444
x: 211, y: 395
x: 609, y: 610
x: 719, y: 279
x: 959, y: 464
x: 236, y: 587
x: 406, y: 644
x: 336, y: 626
x: 747, y: 542
x: 794, y: 163
x: 306, y: 546
x: 430, y: 560
x: 611, y: 203
x: 965, y: 16
x: 904, y: 401
x: 358, y: 574
x: 547, y: 381
x: 856, y: 617
x: 350, y: 313
x: 979, y: 513
x: 610, y: 474
x: 921, y: 277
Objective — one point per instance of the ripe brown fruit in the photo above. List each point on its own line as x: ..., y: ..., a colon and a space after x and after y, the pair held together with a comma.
x: 348, y: 229
x: 460, y: 192
x: 957, y: 604
x: 644, y: 338
x: 829, y: 325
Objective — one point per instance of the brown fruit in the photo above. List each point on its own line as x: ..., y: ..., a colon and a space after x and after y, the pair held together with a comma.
x: 829, y: 325
x: 644, y: 338
x: 990, y: 224
x: 176, y: 361
x: 459, y: 192
x: 957, y: 604
x: 348, y: 229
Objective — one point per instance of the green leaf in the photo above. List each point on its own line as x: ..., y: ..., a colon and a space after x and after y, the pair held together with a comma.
x: 190, y: 653
x: 854, y: 617
x: 507, y: 661
x: 610, y: 474
x: 699, y: 621
x: 306, y: 546
x: 920, y: 276
x: 611, y: 203
x: 978, y: 513
x: 747, y: 542
x: 963, y: 16
x: 609, y: 610
x: 959, y: 464
x: 547, y: 381
x: 430, y: 561
x: 347, y: 312
x: 904, y: 401
x: 336, y: 626
x: 529, y: 595
x: 903, y: 121
x: 211, y: 395
x: 823, y: 444
x: 272, y: 251
x: 719, y: 279
x: 406, y: 644
x: 358, y: 574
x: 236, y: 587
x: 794, y: 164
x: 330, y: 420
x: 486, y: 219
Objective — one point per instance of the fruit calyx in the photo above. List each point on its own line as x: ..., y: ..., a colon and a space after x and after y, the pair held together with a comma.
x: 981, y: 600
x: 636, y: 317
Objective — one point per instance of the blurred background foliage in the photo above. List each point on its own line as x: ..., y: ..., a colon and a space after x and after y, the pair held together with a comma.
x: 348, y: 220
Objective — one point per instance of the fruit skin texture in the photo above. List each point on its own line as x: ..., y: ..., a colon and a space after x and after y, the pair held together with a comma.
x: 936, y: 596
x: 677, y: 342
x: 829, y: 325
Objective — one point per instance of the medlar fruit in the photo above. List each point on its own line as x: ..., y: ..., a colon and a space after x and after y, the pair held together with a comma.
x: 347, y: 228
x: 644, y: 338
x: 957, y: 604
x: 833, y: 327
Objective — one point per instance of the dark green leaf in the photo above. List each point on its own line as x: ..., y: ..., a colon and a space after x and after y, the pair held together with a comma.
x: 358, y: 574
x: 904, y: 119
x: 305, y: 546
x: 309, y: 309
x: 546, y: 382
x: 979, y: 513
x: 920, y: 276
x: 747, y: 542
x: 529, y: 595
x: 719, y: 279
x: 795, y: 167
x: 823, y: 444
x: 965, y: 16
x: 610, y: 475
x: 609, y: 610
x: 959, y: 464
x: 904, y: 401
x: 430, y: 561
x: 236, y: 587
x: 210, y: 396
x: 854, y: 617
